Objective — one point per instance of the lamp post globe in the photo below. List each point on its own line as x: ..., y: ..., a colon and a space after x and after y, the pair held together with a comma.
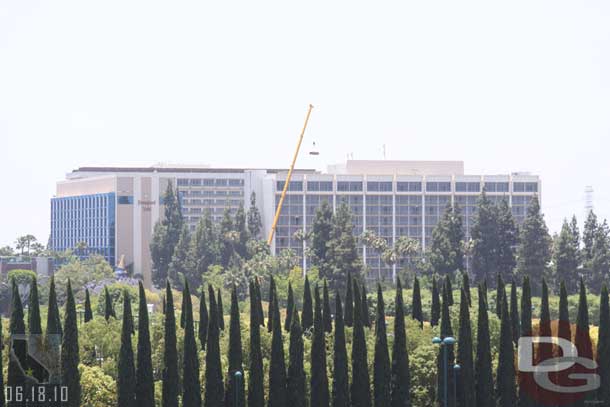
x: 436, y: 340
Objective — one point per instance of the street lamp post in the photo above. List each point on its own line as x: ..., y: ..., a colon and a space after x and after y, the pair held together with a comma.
x: 238, y: 377
x: 444, y: 343
x: 456, y: 370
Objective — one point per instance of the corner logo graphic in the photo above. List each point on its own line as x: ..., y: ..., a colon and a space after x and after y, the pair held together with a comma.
x: 560, y: 372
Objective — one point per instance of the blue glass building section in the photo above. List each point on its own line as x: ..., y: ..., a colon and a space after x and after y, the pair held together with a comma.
x: 84, y: 218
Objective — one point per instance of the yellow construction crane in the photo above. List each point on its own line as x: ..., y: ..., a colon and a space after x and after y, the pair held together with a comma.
x: 288, y: 177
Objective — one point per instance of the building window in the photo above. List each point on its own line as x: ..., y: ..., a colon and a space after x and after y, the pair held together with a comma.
x: 375, y: 186
x: 496, y: 187
x: 525, y: 187
x: 402, y: 186
x: 438, y: 186
x: 182, y: 182
x: 325, y: 186
x: 349, y: 186
x: 236, y: 182
x: 294, y: 185
x: 467, y: 187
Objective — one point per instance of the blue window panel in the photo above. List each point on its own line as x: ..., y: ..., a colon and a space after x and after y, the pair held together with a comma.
x: 125, y: 200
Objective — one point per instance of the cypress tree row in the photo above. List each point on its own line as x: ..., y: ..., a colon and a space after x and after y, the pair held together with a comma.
x: 221, y: 311
x: 483, y: 380
x: 145, y: 385
x: 465, y: 379
x: 204, y: 320
x: 88, y: 310
x: 270, y: 308
x: 525, y: 399
x: 381, y: 369
x: 69, y: 353
x: 583, y: 340
x: 484, y: 286
x: 296, y: 371
x: 446, y: 331
x: 349, y: 301
x: 366, y: 317
x: 277, y: 368
x: 256, y: 393
x: 327, y: 317
x: 259, y: 302
x: 17, y: 368
x: 214, y: 387
x: 514, y: 313
x: 340, y: 392
x: 170, y: 357
x: 307, y: 315
x: 400, y: 376
x: 191, y: 392
x: 319, y: 379
x: 505, y: 390
x: 466, y: 286
x: 183, y: 309
x: 435, y: 312
x: 500, y: 295
x: 416, y: 309
x: 603, y: 348
x: 289, y: 309
x: 126, y: 378
x: 235, y: 395
x: 360, y: 390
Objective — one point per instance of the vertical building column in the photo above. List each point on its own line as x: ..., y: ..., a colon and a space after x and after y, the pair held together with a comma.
x: 137, y: 223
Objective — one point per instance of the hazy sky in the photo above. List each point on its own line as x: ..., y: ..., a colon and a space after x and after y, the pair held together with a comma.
x: 503, y: 86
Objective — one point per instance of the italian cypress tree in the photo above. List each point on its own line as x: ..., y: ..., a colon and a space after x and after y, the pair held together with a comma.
x: 514, y: 313
x: 214, y: 388
x: 583, y: 340
x: 366, y: 317
x: 259, y: 303
x: 289, y: 309
x: 191, y: 392
x: 319, y: 378
x: 446, y: 331
x: 108, y: 307
x: 145, y: 385
x: 500, y: 291
x: 126, y: 379
x: 525, y: 399
x: 340, y: 392
x: 327, y: 318
x: 435, y: 312
x: 203, y: 319
x: 307, y: 316
x: 603, y: 348
x: 381, y: 371
x: 505, y: 390
x: 400, y: 376
x: 35, y: 326
x: 277, y: 368
x: 69, y: 353
x: 564, y: 330
x: 170, y: 357
x: 484, y: 292
x: 88, y: 310
x: 466, y: 286
x: 17, y: 368
x: 349, y: 301
x: 484, y: 388
x: 449, y: 289
x: 53, y: 318
x: 235, y: 387
x: 360, y: 390
x: 545, y: 350
x: 465, y: 379
x: 416, y: 309
x: 296, y: 371
x: 183, y: 308
x: 221, y: 311
x: 256, y: 393
x: 270, y: 308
